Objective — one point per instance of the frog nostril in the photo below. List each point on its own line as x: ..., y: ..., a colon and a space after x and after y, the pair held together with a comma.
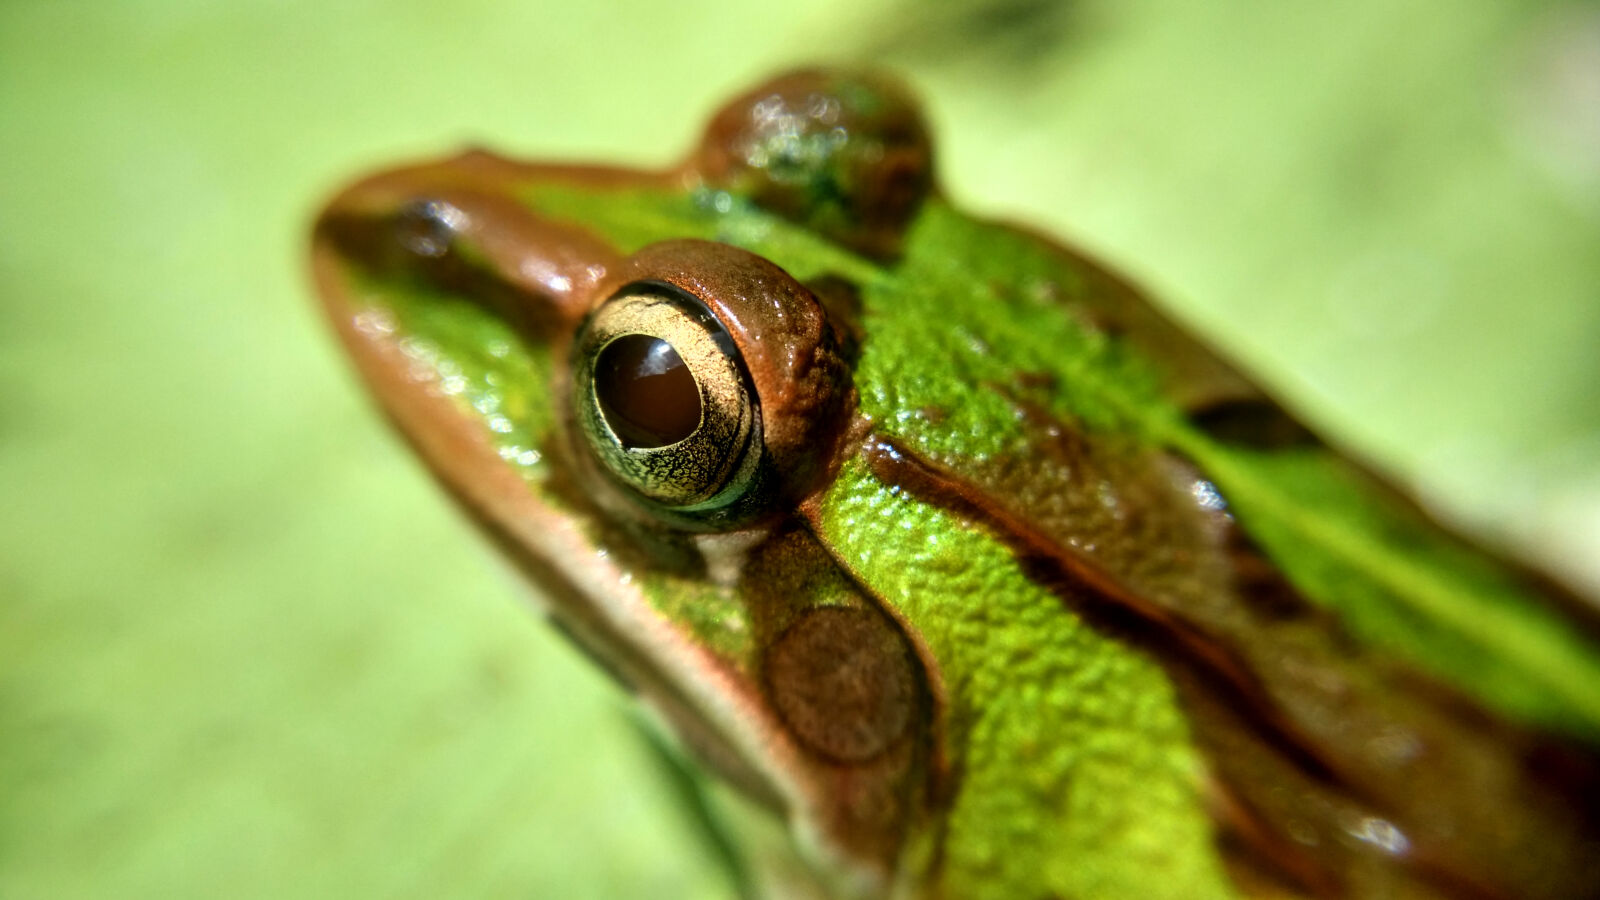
x: 428, y: 228
x: 646, y: 393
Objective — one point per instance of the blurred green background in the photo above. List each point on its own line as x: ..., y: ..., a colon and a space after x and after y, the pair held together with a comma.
x: 246, y: 647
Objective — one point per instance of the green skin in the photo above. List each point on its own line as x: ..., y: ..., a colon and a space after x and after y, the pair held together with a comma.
x: 1070, y: 738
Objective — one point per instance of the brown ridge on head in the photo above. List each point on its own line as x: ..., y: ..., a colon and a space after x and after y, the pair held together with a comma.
x: 456, y: 225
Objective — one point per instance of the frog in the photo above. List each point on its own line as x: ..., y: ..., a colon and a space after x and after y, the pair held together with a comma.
x: 953, y: 565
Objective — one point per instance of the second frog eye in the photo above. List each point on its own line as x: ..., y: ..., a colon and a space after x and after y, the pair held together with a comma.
x: 663, y: 401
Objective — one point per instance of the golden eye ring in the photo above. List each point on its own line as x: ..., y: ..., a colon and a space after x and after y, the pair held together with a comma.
x: 662, y: 396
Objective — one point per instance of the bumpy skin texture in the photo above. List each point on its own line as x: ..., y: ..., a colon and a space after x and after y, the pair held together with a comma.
x: 1073, y: 773
x: 1165, y: 642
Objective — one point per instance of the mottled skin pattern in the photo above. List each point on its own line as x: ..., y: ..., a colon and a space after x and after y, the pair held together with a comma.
x: 1022, y: 593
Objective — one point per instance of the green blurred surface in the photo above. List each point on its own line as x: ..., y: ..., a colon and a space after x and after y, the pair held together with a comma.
x: 247, y: 649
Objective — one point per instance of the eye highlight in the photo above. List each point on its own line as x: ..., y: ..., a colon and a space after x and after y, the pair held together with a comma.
x: 663, y: 401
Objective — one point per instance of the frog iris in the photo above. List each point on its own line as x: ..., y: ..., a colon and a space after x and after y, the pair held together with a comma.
x: 663, y: 401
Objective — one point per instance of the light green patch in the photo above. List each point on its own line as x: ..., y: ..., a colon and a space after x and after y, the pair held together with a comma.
x: 715, y: 617
x: 971, y: 306
x: 1399, y: 582
x: 477, y: 359
x: 630, y: 218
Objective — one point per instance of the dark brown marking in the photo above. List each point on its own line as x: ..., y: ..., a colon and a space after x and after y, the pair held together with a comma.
x: 843, y: 682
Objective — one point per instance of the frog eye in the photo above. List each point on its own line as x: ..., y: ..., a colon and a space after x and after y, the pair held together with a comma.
x: 846, y: 154
x: 663, y: 400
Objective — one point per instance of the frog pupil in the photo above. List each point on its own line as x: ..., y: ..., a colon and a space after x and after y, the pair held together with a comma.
x: 647, y: 394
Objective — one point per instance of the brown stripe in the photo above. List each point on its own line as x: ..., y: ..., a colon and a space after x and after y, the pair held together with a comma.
x: 1048, y: 563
